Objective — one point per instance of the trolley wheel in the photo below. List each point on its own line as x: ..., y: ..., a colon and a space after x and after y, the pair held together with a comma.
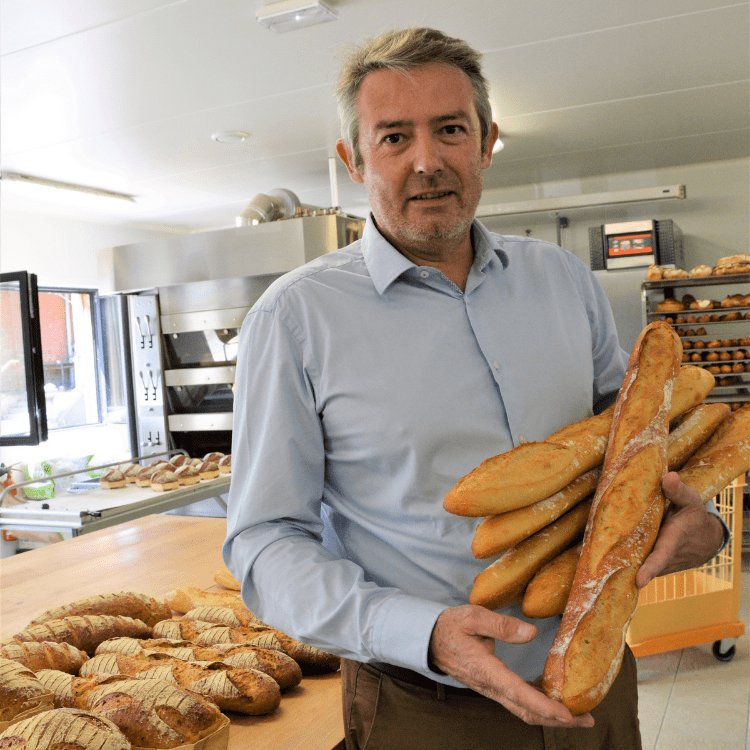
x: 727, y: 655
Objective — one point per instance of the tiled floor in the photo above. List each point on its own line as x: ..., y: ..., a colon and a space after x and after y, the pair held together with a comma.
x: 689, y: 700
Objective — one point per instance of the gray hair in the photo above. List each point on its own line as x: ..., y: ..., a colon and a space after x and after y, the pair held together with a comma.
x: 404, y: 50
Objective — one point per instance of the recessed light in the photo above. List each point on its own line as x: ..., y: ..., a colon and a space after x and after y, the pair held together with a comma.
x: 230, y: 137
x: 289, y: 15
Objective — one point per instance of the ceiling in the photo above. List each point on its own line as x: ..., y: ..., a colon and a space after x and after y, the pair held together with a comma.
x: 124, y: 95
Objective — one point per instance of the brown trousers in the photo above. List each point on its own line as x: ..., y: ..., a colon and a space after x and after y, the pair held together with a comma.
x: 383, y: 713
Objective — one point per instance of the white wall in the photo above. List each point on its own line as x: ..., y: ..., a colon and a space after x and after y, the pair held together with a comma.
x: 714, y: 218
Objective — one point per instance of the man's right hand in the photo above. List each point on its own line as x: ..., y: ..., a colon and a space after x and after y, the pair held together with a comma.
x: 463, y: 646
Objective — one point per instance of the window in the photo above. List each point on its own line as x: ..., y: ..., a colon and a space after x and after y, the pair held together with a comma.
x: 71, y: 386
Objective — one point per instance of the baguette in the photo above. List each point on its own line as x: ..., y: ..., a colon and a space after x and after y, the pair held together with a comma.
x: 83, y: 632
x: 503, y: 582
x: 150, y: 713
x: 64, y: 729
x: 548, y: 591
x: 627, y: 509
x: 534, y: 471
x: 127, y: 603
x: 501, y: 532
x: 45, y: 655
x: 223, y: 576
x: 723, y: 458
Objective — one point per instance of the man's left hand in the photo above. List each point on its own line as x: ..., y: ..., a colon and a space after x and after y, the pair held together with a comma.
x: 689, y: 536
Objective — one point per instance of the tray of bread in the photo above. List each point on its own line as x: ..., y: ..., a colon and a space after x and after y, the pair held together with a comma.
x: 124, y: 670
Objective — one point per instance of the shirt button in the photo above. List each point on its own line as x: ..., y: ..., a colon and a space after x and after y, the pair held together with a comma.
x: 424, y: 274
x: 496, y: 365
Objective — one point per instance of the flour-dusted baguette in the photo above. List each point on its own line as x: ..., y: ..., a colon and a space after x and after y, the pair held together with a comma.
x: 83, y: 632
x: 232, y: 688
x: 20, y: 690
x: 190, y: 630
x: 587, y: 652
x: 128, y: 603
x: 503, y: 582
x: 549, y: 589
x: 64, y: 729
x: 547, y: 592
x: 534, y: 471
x: 723, y: 458
x: 694, y: 429
x: 45, y: 655
x: 501, y: 532
x: 235, y: 618
x: 150, y: 713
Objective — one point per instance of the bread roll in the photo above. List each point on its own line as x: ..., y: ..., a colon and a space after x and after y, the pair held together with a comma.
x: 627, y: 509
x: 64, y: 729
x: 503, y: 582
x: 187, y: 475
x: 534, y: 471
x: 128, y: 603
x: 112, y: 479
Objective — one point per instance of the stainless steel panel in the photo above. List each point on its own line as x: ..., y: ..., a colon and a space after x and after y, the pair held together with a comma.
x: 199, y: 376
x: 214, y: 295
x: 207, y: 320
x: 260, y: 250
x: 200, y: 422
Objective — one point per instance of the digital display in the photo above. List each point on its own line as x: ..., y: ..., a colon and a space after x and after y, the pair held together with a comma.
x: 639, y: 243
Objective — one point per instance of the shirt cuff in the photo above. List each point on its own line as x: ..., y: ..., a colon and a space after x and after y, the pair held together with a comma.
x: 402, y: 631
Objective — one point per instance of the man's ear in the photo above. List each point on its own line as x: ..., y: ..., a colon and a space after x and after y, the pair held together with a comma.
x: 489, y: 144
x: 343, y: 149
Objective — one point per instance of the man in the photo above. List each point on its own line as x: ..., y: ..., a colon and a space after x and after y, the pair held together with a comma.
x: 370, y: 380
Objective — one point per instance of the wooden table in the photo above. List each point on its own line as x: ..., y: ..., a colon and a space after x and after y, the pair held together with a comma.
x: 153, y: 555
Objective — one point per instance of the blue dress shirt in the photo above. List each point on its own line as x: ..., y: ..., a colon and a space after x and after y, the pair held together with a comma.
x: 366, y: 387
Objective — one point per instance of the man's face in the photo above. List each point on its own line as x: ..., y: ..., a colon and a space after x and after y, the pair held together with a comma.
x: 422, y: 160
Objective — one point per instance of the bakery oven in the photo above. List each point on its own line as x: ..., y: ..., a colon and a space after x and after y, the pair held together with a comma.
x: 182, y: 330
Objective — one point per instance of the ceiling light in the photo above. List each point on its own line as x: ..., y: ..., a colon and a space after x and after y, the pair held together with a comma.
x: 230, y: 137
x: 43, y: 182
x: 289, y: 15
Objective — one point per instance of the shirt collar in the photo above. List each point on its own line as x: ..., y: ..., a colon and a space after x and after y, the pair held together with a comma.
x: 385, y: 264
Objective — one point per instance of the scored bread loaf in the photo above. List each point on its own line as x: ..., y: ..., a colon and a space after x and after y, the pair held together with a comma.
x: 20, y: 690
x: 235, y: 618
x: 84, y: 632
x: 311, y: 660
x: 628, y: 505
x: 692, y: 431
x: 150, y: 713
x: 503, y: 582
x: 64, y: 729
x: 45, y: 655
x: 274, y: 662
x: 127, y: 603
x: 534, y: 471
x: 60, y: 684
x: 247, y: 691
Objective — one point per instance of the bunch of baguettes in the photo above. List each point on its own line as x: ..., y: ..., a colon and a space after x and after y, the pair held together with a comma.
x: 574, y: 516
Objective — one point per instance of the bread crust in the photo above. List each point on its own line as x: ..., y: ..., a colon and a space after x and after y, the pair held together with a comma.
x: 627, y: 509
